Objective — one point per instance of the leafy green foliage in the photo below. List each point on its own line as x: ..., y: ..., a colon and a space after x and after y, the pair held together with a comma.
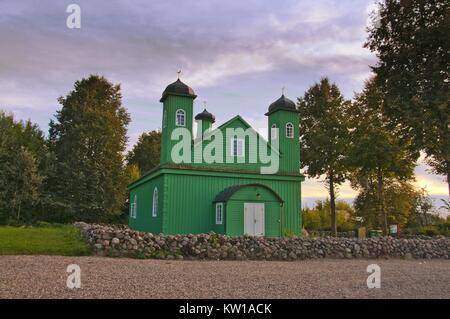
x: 324, y: 136
x: 145, y: 153
x: 22, y: 152
x: 411, y: 40
x: 377, y: 156
x: 133, y: 173
x: 399, y: 202
x: 319, y: 217
x: 88, y: 138
x: 446, y: 205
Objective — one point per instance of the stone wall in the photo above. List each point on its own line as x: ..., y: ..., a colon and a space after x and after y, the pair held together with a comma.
x: 120, y: 241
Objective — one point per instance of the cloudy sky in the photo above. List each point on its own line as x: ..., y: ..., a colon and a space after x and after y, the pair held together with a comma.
x: 235, y: 54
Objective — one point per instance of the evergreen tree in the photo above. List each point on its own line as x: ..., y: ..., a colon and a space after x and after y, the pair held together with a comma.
x: 412, y: 42
x: 324, y: 137
x: 145, y: 153
x: 88, y: 138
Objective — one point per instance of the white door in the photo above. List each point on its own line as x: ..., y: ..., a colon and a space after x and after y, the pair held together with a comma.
x: 254, y: 219
x: 259, y: 219
x: 249, y: 217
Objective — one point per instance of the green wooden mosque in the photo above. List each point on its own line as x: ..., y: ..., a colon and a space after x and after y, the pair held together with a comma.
x: 229, y: 195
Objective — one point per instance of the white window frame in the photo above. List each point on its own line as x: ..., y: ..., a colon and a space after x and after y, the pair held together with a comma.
x: 133, y: 207
x: 155, y: 202
x: 219, y: 213
x: 291, y: 127
x: 238, y: 140
x: 273, y: 132
x: 181, y: 111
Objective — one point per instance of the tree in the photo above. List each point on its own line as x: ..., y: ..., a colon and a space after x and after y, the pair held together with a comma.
x: 22, y: 148
x: 324, y: 137
x: 423, y: 209
x: 318, y: 218
x: 25, y: 184
x: 446, y: 205
x: 399, y: 201
x: 133, y: 173
x: 145, y: 153
x: 376, y: 153
x: 424, y: 217
x: 411, y: 40
x: 88, y: 139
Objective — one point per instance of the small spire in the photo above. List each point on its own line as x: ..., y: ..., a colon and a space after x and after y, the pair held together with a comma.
x: 179, y: 72
x: 282, y: 90
x: 204, y: 105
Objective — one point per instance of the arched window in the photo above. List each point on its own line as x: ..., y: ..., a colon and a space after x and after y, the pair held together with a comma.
x: 180, y: 118
x: 289, y: 130
x: 273, y: 131
x: 219, y: 213
x: 155, y: 203
x: 133, y: 207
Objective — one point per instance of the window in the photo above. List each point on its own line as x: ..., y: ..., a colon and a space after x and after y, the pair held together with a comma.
x: 237, y: 147
x: 289, y: 130
x: 180, y: 118
x: 219, y: 213
x: 155, y: 203
x: 273, y: 132
x: 133, y: 207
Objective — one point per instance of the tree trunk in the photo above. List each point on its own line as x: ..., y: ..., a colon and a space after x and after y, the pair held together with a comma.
x: 18, y: 211
x: 448, y: 183
x: 381, y: 209
x: 332, y: 206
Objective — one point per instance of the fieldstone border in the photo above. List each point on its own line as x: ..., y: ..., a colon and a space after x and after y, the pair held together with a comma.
x: 120, y: 241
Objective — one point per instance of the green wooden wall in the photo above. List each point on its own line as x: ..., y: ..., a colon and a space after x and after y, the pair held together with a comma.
x: 189, y: 206
x: 230, y: 161
x: 144, y: 220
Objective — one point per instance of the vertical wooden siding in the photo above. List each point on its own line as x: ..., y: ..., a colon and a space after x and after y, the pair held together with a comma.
x: 190, y: 208
x: 144, y: 220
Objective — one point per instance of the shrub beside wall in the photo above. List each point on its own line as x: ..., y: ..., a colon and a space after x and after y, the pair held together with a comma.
x: 120, y: 241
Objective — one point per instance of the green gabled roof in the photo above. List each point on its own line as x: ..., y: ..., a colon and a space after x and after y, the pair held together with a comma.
x: 233, y: 119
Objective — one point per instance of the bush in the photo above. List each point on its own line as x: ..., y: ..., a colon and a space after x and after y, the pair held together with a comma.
x: 430, y: 231
x: 289, y: 233
x: 425, y: 230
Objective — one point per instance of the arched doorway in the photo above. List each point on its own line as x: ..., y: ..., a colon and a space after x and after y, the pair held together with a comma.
x: 252, y: 209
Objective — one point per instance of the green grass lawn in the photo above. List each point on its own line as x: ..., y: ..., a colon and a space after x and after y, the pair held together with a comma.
x: 62, y: 240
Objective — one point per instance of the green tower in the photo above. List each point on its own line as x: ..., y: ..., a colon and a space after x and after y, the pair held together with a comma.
x: 205, y: 121
x: 283, y: 115
x: 178, y: 100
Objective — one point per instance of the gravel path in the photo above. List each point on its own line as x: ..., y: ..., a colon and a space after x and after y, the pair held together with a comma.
x: 45, y: 277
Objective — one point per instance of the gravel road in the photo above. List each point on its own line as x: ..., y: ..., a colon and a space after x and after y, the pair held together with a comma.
x: 45, y: 277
